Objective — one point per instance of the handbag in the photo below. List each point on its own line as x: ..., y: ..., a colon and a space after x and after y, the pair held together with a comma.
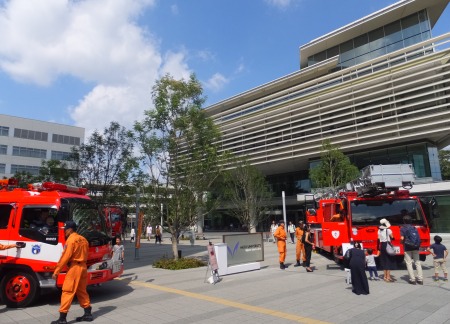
x: 389, y: 248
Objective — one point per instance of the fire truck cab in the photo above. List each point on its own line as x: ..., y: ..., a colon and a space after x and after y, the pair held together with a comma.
x: 355, y: 213
x: 35, y: 217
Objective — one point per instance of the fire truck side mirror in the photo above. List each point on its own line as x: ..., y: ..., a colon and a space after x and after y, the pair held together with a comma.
x: 312, y: 212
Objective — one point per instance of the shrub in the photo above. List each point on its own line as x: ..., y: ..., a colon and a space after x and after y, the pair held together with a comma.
x: 182, y: 263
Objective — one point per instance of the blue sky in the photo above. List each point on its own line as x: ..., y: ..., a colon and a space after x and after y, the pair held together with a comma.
x: 89, y: 62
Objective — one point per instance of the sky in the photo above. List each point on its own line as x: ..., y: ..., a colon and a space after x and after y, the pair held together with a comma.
x: 89, y: 62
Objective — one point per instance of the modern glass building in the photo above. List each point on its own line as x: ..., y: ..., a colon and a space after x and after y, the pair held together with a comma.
x: 379, y: 88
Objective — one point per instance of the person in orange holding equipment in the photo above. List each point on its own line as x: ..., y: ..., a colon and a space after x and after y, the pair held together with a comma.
x: 74, y: 256
x: 280, y: 235
x: 300, y: 247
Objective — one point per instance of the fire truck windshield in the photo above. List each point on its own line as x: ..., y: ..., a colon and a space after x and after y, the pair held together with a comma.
x: 370, y: 212
x: 86, y: 215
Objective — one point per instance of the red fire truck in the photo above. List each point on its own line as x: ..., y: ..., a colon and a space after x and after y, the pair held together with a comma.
x: 355, y: 213
x: 116, y: 217
x: 35, y: 217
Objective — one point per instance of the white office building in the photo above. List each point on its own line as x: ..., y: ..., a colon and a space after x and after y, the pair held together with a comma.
x: 24, y: 143
x: 379, y: 88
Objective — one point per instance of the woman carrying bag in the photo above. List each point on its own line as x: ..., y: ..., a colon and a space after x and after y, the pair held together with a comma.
x: 387, y: 261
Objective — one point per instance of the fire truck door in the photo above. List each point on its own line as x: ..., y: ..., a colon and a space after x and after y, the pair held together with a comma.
x: 334, y: 233
x: 6, y: 212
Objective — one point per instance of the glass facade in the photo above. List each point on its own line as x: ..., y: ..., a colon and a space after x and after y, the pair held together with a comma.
x: 4, y: 131
x: 64, y: 139
x: 387, y: 39
x: 15, y: 168
x: 29, y: 152
x: 58, y: 155
x: 30, y: 134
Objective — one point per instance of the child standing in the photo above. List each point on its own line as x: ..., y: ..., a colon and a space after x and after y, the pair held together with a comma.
x: 118, y: 251
x: 439, y: 253
x: 371, y: 265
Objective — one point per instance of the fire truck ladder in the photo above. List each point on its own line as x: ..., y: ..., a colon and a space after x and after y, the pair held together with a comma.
x: 378, y: 179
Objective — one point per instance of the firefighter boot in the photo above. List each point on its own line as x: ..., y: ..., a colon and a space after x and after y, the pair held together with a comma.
x: 282, y: 266
x: 297, y: 264
x: 87, y: 317
x: 61, y: 320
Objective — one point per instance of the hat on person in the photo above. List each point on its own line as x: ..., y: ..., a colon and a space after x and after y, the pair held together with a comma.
x: 70, y: 224
x: 384, y: 223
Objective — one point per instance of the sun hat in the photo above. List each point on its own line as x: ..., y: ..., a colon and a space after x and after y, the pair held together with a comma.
x: 384, y: 223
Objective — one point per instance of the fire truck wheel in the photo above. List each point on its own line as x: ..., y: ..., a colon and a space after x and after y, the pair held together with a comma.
x: 422, y: 257
x: 19, y: 289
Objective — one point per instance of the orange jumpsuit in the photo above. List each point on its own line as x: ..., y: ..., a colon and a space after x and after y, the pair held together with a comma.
x: 300, y: 248
x: 75, y: 256
x: 280, y: 235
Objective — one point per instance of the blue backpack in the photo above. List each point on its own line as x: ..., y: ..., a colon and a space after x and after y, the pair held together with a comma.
x: 412, y: 238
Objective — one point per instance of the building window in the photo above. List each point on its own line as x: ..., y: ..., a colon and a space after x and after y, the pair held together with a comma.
x: 2, y: 168
x: 30, y: 134
x: 29, y: 152
x: 58, y: 155
x: 3, y: 149
x: 16, y: 168
x: 64, y: 139
x: 4, y: 131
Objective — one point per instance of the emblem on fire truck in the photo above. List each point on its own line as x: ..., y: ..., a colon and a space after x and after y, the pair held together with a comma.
x: 335, y: 234
x: 36, y: 249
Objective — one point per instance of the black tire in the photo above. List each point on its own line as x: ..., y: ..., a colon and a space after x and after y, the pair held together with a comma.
x: 422, y: 257
x: 19, y: 289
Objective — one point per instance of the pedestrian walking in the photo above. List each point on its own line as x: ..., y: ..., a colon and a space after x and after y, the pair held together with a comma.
x: 291, y: 230
x: 281, y: 237
x: 439, y: 253
x: 74, y: 256
x: 149, y: 232
x: 273, y: 228
x: 158, y: 234
x: 132, y: 234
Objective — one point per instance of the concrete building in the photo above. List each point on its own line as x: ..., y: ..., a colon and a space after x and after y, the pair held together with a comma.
x: 24, y: 143
x: 379, y: 88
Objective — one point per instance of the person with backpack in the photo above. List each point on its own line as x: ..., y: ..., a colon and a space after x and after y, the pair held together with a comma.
x: 411, y: 241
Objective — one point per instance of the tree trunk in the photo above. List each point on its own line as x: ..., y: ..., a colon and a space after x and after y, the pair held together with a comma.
x: 174, y: 247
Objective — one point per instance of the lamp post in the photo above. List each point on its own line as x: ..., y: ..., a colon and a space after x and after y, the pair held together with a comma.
x: 136, y: 245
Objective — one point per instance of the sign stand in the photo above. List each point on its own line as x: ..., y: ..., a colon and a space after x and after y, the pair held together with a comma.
x: 212, y: 266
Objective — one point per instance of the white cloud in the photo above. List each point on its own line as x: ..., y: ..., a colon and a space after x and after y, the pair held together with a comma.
x: 216, y: 82
x: 282, y: 4
x: 97, y: 41
x: 174, y: 9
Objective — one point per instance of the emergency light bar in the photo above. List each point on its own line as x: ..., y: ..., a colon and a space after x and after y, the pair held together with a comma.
x: 58, y: 187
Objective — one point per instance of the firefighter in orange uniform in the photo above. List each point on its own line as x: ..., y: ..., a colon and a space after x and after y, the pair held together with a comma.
x: 74, y: 256
x: 280, y: 235
x: 300, y: 248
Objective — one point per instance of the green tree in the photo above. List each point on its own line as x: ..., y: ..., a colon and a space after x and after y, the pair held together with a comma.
x: 334, y: 169
x: 444, y: 161
x: 105, y: 162
x: 179, y: 146
x: 55, y: 170
x: 25, y: 178
x: 247, y: 190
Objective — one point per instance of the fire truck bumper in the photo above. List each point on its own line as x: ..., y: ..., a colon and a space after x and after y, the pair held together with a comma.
x: 99, y: 272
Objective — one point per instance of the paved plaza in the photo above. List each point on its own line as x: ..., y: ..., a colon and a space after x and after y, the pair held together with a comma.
x: 147, y: 295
